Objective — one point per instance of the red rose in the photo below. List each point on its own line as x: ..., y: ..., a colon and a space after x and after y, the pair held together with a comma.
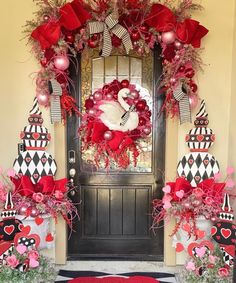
x: 33, y: 254
x: 89, y: 103
x: 223, y: 272
x: 38, y: 197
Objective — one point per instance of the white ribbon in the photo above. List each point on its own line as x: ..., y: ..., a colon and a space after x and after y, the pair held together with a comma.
x: 184, y: 107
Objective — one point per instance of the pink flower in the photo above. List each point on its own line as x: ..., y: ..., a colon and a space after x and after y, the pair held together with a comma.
x: 198, y: 192
x: 12, y: 261
x: 190, y: 266
x: 11, y: 172
x: 212, y: 259
x: 58, y: 194
x: 38, y: 197
x: 33, y: 254
x: 223, y: 272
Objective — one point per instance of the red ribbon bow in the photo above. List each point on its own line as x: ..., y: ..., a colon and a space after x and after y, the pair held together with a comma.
x: 208, y: 186
x: 46, y: 185
x: 72, y: 16
x: 163, y: 19
x: 119, y: 141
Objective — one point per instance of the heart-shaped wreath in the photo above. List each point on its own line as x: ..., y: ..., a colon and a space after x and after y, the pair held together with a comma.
x: 117, y: 117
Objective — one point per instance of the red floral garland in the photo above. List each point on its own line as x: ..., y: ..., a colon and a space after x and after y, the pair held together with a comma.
x: 114, y: 144
x: 63, y: 29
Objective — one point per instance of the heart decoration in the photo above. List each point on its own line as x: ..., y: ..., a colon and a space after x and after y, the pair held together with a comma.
x: 21, y: 249
x: 186, y: 227
x: 35, y: 175
x: 166, y: 189
x: 38, y: 220
x: 191, y: 161
x: 36, y: 136
x: 4, y: 247
x: 28, y: 159
x: 197, y: 178
x: 200, y: 138
x: 194, y: 247
x: 213, y: 231
x: 33, y: 263
x: 49, y: 237
x: 200, y: 234
x: 26, y: 229
x: 179, y: 247
x: 226, y: 233
x: 200, y: 251
x: 9, y: 229
x: 180, y: 194
x: 206, y: 162
x: 218, y: 224
x: 44, y: 159
x: 27, y: 240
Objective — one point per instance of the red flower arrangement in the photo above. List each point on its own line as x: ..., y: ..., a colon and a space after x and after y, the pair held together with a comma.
x: 61, y: 30
x: 116, y: 118
x: 48, y: 196
x: 187, y: 203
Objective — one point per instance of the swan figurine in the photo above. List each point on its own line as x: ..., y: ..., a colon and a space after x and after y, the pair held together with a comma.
x: 119, y: 116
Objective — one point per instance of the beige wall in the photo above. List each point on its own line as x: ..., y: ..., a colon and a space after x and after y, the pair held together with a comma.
x: 216, y: 85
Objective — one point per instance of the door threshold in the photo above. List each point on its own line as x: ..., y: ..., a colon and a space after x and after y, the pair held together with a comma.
x: 113, y: 257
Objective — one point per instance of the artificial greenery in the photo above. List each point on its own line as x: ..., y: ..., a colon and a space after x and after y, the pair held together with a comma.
x: 45, y: 273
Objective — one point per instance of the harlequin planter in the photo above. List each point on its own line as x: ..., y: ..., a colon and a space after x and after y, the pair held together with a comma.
x: 41, y: 228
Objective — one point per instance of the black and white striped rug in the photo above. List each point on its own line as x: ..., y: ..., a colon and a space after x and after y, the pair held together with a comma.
x: 65, y: 275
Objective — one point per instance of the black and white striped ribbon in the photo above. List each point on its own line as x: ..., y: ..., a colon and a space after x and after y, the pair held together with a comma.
x: 55, y: 104
x: 184, y: 106
x: 125, y: 116
x: 110, y: 24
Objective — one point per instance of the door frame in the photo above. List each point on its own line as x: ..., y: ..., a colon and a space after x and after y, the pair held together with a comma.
x: 171, y: 149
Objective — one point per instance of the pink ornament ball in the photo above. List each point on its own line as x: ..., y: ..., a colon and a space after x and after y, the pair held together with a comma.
x: 134, y: 94
x: 108, y: 135
x: 193, y: 100
x: 23, y: 210
x: 97, y: 96
x: 34, y: 212
x: 109, y: 96
x: 178, y: 45
x: 147, y: 130
x: 92, y: 112
x: 168, y: 37
x: 43, y: 98
x: 61, y: 62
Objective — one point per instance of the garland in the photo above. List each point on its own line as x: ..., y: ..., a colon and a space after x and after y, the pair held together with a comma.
x: 117, y: 117
x: 61, y: 30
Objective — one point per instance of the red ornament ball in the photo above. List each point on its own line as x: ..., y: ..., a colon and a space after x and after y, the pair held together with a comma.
x: 193, y: 87
x: 141, y: 104
x: 70, y: 38
x: 92, y: 43
x: 189, y: 73
x: 144, y: 28
x: 147, y: 130
x: 89, y: 103
x: 181, y: 69
x: 135, y: 94
x: 124, y: 83
x: 148, y: 113
x: 44, y: 62
x: 142, y: 121
x: 135, y: 35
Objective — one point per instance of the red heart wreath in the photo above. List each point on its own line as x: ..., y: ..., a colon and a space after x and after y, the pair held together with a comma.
x: 116, y: 118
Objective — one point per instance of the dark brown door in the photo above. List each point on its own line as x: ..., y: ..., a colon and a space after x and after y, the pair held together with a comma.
x: 115, y: 209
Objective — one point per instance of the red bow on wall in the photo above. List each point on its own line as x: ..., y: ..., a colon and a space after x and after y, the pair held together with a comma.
x: 163, y: 19
x: 46, y: 185
x: 72, y: 16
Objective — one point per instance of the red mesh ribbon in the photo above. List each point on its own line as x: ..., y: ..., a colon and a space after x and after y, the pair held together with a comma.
x: 163, y: 19
x: 72, y: 16
x: 46, y: 185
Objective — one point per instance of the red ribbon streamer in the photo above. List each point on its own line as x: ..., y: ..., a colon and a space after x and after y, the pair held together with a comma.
x: 46, y: 185
x: 72, y: 16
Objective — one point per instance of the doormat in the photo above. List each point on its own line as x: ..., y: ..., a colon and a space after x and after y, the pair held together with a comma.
x: 69, y: 276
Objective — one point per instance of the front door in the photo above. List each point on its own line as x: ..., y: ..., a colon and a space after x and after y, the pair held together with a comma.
x: 115, y: 206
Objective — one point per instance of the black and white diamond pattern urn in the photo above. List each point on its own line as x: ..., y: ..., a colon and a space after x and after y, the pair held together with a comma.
x: 199, y: 165
x: 35, y: 162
